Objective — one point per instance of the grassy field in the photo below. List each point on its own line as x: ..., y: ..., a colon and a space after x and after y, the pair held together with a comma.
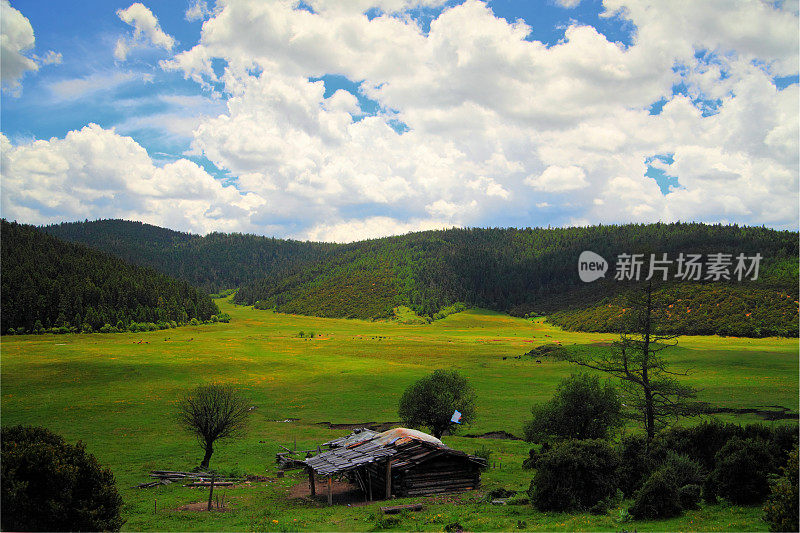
x: 117, y: 393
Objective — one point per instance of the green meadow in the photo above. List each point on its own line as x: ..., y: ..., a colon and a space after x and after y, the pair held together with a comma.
x: 117, y: 393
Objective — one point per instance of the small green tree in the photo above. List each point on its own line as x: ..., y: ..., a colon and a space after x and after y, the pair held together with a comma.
x: 431, y: 401
x: 213, y: 412
x: 582, y: 408
x: 50, y: 485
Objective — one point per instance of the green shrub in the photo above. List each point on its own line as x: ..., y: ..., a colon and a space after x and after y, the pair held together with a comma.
x: 700, y: 443
x: 673, y: 487
x: 574, y: 475
x: 581, y: 408
x: 683, y: 470
x: 658, y: 498
x: 635, y: 464
x: 781, y: 512
x: 49, y: 485
x: 689, y: 496
x: 741, y: 470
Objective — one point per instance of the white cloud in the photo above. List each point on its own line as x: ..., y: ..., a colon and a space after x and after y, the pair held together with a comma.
x: 568, y: 4
x: 198, y: 10
x: 482, y: 102
x: 498, y: 125
x: 368, y: 228
x: 559, y: 179
x: 488, y: 186
x: 73, y: 89
x: 146, y: 31
x: 17, y: 39
x: 96, y: 173
x: 51, y: 58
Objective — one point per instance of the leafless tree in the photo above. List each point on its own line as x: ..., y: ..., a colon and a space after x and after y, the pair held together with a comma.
x: 213, y: 412
x: 650, y: 389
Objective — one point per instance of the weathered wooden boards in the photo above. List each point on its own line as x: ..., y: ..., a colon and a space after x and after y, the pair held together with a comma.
x: 190, y: 479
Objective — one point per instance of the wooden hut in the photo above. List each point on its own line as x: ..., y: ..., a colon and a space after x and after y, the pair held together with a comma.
x: 398, y: 462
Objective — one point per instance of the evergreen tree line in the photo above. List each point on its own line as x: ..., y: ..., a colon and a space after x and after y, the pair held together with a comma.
x: 532, y: 271
x: 520, y: 271
x: 212, y: 263
x: 51, y: 285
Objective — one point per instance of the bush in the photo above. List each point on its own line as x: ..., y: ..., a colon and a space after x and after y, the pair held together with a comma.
x: 574, y: 475
x: 672, y: 488
x: 658, y: 498
x: 635, y: 464
x: 783, y: 439
x: 49, y: 485
x: 683, y: 470
x: 701, y: 442
x: 689, y: 496
x: 581, y: 408
x: 781, y: 512
x: 741, y: 470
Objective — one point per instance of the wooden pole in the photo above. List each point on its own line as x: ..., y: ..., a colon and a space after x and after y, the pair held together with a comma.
x: 388, y: 479
x: 330, y: 490
x: 311, y: 481
x: 369, y: 485
x: 211, y: 492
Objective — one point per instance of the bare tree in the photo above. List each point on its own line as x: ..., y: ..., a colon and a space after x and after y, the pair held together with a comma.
x: 649, y: 388
x: 213, y: 412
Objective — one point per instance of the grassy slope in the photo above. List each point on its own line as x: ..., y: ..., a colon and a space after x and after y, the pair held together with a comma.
x: 118, y: 396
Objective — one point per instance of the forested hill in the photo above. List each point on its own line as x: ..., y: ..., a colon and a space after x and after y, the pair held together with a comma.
x: 214, y: 262
x: 49, y: 284
x: 533, y: 270
x: 520, y: 271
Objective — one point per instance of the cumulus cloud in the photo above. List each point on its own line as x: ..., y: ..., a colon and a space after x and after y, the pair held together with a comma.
x: 477, y: 122
x: 96, y: 173
x: 559, y: 179
x: 369, y: 228
x: 17, y: 39
x: 146, y: 31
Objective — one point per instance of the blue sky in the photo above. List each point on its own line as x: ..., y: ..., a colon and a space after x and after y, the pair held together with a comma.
x: 337, y: 122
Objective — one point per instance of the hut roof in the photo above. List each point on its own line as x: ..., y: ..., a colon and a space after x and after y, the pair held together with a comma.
x: 406, y: 448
